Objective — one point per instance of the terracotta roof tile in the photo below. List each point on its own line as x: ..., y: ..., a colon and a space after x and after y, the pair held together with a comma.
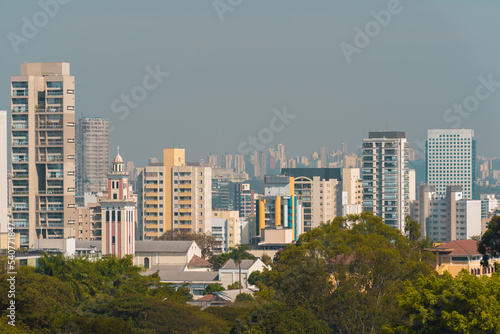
x: 197, y: 261
x: 461, y: 247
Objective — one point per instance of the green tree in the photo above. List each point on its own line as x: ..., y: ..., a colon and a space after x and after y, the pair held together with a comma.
x: 348, y: 277
x: 238, y: 254
x: 242, y: 297
x: 489, y: 245
x: 213, y: 287
x: 254, y: 277
x: 412, y: 229
x: 206, y: 242
x: 278, y: 318
x: 234, y: 286
x: 463, y: 304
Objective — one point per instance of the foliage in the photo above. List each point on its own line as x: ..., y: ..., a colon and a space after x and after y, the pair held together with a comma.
x: 206, y: 242
x: 234, y: 286
x: 254, y: 277
x: 42, y: 302
x: 244, y: 297
x: 213, y: 287
x: 149, y: 315
x: 463, y: 304
x: 238, y: 254
x: 348, y: 277
x: 278, y: 318
x: 266, y: 259
x: 489, y: 245
x: 412, y: 229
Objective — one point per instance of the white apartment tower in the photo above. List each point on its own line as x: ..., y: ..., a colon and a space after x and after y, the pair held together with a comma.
x: 451, y: 159
x: 385, y: 175
x: 43, y: 151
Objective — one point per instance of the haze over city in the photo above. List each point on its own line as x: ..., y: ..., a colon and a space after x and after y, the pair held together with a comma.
x: 226, y: 76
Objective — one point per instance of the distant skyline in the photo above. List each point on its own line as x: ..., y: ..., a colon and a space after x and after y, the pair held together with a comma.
x: 174, y: 74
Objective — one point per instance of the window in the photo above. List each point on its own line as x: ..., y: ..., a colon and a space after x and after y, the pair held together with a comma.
x: 146, y: 262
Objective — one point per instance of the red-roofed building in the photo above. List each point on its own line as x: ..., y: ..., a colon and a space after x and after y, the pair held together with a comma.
x: 461, y: 254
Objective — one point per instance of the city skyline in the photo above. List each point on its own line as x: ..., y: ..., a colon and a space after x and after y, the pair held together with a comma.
x: 315, y: 82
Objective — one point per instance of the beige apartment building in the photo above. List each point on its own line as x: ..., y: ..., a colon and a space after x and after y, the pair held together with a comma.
x: 226, y: 228
x: 151, y: 201
x: 43, y: 151
x: 192, y: 198
x: 174, y: 195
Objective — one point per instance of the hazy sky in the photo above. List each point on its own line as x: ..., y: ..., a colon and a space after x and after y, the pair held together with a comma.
x: 226, y: 76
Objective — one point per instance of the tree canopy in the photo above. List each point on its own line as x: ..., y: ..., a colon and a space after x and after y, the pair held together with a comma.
x: 489, y: 244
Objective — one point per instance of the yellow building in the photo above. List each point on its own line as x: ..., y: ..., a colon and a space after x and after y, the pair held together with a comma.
x: 457, y: 255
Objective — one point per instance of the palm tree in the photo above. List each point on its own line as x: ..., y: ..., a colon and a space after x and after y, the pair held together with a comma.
x: 238, y: 254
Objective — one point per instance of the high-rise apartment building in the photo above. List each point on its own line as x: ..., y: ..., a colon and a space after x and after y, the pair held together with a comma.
x: 92, y: 154
x: 174, y: 195
x: 451, y: 159
x: 319, y: 190
x: 151, y: 201
x: 3, y: 172
x: 386, y: 177
x: 192, y: 198
x: 244, y: 199
x: 43, y: 151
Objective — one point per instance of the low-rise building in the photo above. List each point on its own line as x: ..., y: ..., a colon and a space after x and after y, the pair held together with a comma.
x: 457, y: 255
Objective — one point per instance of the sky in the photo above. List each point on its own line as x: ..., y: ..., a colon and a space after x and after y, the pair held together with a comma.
x: 227, y: 67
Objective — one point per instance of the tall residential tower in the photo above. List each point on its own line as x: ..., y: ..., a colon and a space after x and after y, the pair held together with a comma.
x: 43, y: 151
x: 386, y: 177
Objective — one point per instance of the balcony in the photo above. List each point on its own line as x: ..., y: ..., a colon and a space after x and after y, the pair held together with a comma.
x: 50, y: 158
x: 20, y: 192
x: 19, y: 142
x: 50, y: 192
x: 51, y: 142
x: 19, y: 93
x: 21, y: 223
x: 20, y: 207
x: 55, y: 92
x: 20, y: 176
x: 54, y: 175
x: 50, y: 126
x: 19, y: 125
x: 20, y: 109
x: 48, y: 109
x: 17, y: 158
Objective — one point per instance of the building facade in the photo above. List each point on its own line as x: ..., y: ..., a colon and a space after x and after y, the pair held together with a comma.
x: 92, y: 154
x: 43, y: 151
x: 279, y: 213
x: 244, y: 199
x: 4, y: 182
x: 449, y: 217
x: 319, y: 191
x: 226, y: 228
x: 150, y: 202
x: 118, y: 213
x: 385, y: 175
x: 451, y: 159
